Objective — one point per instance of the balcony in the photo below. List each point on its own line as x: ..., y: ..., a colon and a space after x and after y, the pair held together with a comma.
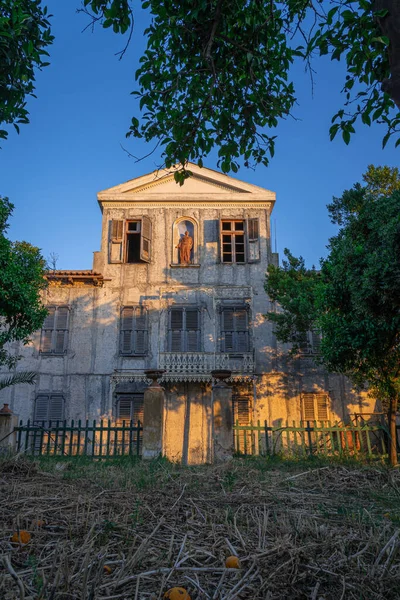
x: 197, y: 366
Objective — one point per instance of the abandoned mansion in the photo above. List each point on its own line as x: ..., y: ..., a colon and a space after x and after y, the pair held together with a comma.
x: 177, y: 285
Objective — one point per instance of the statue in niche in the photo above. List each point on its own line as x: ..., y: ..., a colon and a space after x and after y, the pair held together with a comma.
x: 185, y: 246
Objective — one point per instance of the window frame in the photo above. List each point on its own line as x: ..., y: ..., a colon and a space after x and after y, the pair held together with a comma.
x: 235, y: 330
x: 131, y: 398
x: 118, y: 240
x: 315, y: 398
x: 251, y: 245
x: 53, y: 350
x: 233, y: 233
x: 185, y: 342
x: 134, y: 330
x: 50, y: 396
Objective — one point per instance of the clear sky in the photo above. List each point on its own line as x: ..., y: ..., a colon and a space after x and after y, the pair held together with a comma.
x: 72, y: 147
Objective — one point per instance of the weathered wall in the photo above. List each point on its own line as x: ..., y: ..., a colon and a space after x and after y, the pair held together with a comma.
x: 83, y: 373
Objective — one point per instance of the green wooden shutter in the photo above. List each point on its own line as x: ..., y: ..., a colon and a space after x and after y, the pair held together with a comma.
x: 176, y: 330
x: 116, y: 239
x: 42, y: 408
x: 61, y: 332
x: 323, y: 407
x: 227, y: 317
x: 145, y: 240
x: 192, y: 330
x: 140, y: 333
x: 308, y: 407
x: 126, y: 334
x: 241, y: 330
x: 253, y: 240
x: 56, y: 408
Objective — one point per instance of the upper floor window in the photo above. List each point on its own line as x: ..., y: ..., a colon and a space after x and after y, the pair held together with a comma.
x: 130, y: 240
x: 315, y: 407
x: 54, y: 337
x: 235, y: 329
x: 308, y: 342
x: 49, y: 407
x: 133, y: 333
x: 240, y: 240
x: 184, y: 330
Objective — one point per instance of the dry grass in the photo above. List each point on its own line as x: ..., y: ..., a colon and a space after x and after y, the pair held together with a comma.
x: 306, y: 530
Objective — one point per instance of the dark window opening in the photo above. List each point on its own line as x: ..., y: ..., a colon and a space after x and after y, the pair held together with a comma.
x: 133, y: 247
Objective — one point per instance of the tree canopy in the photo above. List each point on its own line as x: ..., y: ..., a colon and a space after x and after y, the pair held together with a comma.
x: 22, y: 270
x: 24, y: 37
x: 354, y: 300
x: 217, y: 73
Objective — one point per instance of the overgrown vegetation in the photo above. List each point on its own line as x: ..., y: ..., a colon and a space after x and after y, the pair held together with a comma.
x: 353, y: 300
x: 301, y: 529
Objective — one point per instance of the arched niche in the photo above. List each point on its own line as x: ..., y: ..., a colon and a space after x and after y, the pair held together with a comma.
x: 180, y: 227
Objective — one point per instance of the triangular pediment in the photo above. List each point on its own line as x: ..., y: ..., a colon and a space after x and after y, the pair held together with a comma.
x: 202, y: 182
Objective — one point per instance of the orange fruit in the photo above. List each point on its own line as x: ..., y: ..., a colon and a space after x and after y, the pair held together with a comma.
x: 107, y: 569
x: 177, y: 593
x: 232, y: 562
x: 22, y: 537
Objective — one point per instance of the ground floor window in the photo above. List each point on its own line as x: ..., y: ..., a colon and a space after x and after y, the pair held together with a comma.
x: 49, y: 407
x: 242, y: 409
x: 315, y: 406
x: 130, y: 407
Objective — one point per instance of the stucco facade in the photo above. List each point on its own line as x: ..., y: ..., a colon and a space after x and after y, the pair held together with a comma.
x: 141, y: 308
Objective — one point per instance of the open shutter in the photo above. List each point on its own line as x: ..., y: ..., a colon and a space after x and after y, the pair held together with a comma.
x: 192, y: 330
x: 308, y: 407
x: 322, y: 407
x: 145, y: 240
x: 140, y: 341
x: 241, y: 330
x: 253, y: 240
x: 42, y: 408
x: 126, y: 330
x: 116, y: 238
x: 176, y: 330
x: 56, y: 408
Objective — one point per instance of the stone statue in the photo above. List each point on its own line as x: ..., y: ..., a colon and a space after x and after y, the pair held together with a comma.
x: 185, y: 246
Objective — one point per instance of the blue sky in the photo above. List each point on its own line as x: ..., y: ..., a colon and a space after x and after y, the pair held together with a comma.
x: 72, y: 147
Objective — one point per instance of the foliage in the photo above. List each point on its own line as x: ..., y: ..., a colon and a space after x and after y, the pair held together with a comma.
x: 21, y: 281
x: 24, y: 36
x: 21, y: 377
x: 355, y: 299
x: 216, y: 73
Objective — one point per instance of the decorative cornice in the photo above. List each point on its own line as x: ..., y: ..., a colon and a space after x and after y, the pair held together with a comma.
x: 262, y: 204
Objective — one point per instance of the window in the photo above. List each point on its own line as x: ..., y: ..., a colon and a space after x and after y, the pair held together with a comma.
x: 130, y: 407
x: 184, y: 330
x: 308, y: 343
x: 240, y: 241
x: 234, y: 329
x: 130, y: 241
x: 241, y: 405
x: 133, y: 333
x: 54, y: 338
x: 49, y: 407
x: 315, y: 407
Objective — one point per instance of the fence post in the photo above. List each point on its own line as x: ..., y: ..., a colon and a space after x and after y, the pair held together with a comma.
x: 8, y: 437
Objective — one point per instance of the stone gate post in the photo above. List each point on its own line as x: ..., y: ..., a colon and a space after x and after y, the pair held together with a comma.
x: 222, y: 417
x: 153, y: 417
x: 7, y: 436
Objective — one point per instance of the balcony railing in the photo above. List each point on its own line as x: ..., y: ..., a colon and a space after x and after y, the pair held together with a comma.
x: 198, y: 365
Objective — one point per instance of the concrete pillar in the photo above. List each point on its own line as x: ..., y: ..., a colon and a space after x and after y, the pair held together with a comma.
x: 153, y: 418
x: 8, y: 438
x: 223, y: 421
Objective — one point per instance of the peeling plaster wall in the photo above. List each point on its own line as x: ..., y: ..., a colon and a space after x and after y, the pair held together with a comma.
x: 83, y: 373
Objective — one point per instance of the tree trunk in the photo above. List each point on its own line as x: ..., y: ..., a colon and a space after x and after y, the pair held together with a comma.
x: 390, y: 26
x: 392, y: 432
